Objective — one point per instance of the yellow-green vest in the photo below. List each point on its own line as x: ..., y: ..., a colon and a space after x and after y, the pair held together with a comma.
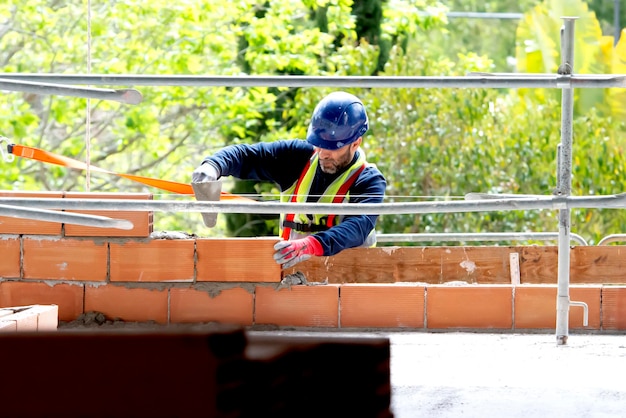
x: 300, y: 190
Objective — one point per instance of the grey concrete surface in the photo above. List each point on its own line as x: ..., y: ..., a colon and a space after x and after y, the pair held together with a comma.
x: 483, y: 375
x: 507, y: 375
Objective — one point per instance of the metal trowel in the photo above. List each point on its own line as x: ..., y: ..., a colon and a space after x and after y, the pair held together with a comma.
x: 208, y: 191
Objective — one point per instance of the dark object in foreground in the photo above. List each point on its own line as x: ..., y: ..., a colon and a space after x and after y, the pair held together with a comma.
x: 180, y: 372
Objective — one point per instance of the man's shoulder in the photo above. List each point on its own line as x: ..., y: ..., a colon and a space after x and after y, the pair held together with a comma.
x: 372, y: 170
x: 297, y: 144
x: 371, y: 176
x: 293, y: 152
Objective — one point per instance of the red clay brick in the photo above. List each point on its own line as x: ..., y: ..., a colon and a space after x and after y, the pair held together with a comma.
x: 68, y: 297
x: 152, y: 261
x: 142, y: 220
x: 535, y: 306
x: 381, y: 305
x: 237, y: 260
x: 614, y: 308
x: 119, y: 302
x: 10, y: 259
x: 305, y: 306
x: 10, y: 225
x: 469, y: 306
x: 231, y: 306
x: 64, y: 259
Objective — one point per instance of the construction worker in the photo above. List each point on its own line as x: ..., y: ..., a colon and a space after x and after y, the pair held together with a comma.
x: 329, y: 167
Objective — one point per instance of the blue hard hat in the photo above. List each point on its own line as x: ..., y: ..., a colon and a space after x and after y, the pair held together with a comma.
x: 338, y: 120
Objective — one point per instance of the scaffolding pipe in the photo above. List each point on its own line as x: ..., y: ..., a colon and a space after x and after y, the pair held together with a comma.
x: 476, y: 236
x: 68, y: 218
x: 128, y: 96
x: 612, y: 238
x: 274, y: 207
x: 480, y: 15
x: 565, y: 182
x: 562, y: 81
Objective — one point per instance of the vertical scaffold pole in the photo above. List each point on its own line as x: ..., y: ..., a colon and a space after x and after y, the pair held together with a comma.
x: 564, y: 181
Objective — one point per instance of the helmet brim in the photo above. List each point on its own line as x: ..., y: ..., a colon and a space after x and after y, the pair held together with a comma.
x: 317, y: 141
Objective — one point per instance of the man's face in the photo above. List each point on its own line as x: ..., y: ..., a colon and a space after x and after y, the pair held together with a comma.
x: 331, y: 161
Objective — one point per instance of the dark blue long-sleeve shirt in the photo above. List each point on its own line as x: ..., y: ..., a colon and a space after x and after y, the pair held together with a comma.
x: 282, y: 162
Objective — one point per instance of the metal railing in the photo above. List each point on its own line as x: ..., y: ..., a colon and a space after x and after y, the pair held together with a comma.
x: 562, y: 201
x: 271, y: 207
x: 66, y: 217
x: 609, y: 239
x: 473, y: 80
x: 476, y: 236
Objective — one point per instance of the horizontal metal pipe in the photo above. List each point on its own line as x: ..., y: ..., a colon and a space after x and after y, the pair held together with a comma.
x: 128, y: 96
x: 68, y: 218
x: 486, y: 205
x: 485, y: 80
x: 546, y: 75
x: 476, y: 236
x: 479, y: 15
x: 565, y: 80
x: 491, y: 196
x: 612, y: 238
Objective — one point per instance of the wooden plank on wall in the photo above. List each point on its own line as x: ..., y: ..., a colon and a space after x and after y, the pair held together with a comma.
x: 598, y: 264
x: 411, y: 264
x: 470, y: 264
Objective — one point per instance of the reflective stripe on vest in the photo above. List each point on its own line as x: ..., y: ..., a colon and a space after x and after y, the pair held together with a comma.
x: 299, y: 225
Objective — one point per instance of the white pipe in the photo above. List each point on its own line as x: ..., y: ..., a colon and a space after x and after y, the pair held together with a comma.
x: 266, y: 207
x: 476, y: 236
x: 128, y: 96
x: 65, y: 217
x: 612, y: 238
x: 475, y: 80
x: 564, y: 176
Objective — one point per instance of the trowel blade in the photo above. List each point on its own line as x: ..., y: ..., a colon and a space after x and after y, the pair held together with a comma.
x: 208, y: 191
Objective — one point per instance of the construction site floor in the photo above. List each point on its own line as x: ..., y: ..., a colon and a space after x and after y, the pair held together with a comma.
x: 465, y: 374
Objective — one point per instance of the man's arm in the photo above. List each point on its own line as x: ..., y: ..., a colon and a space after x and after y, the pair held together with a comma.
x: 280, y: 162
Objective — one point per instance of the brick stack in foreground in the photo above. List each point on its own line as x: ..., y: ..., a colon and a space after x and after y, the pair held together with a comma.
x: 314, y: 376
x: 186, y: 372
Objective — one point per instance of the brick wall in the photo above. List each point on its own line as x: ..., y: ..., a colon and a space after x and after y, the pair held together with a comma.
x: 135, y: 276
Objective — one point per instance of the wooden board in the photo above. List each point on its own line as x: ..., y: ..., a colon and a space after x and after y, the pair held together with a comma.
x: 473, y: 264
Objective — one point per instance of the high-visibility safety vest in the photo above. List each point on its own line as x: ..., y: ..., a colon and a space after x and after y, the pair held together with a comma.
x: 295, y: 226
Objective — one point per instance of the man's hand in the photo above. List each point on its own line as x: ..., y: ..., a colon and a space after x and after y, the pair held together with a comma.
x: 206, y: 172
x: 290, y: 253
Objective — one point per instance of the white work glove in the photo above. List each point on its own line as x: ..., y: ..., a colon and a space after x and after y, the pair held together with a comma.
x: 290, y: 253
x: 205, y: 172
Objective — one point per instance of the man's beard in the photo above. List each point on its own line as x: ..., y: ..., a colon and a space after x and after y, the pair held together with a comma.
x: 332, y: 166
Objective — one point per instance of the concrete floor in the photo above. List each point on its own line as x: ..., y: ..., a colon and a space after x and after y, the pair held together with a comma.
x: 484, y: 375
x: 500, y: 375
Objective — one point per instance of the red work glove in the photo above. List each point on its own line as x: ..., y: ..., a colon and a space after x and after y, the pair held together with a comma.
x: 289, y: 253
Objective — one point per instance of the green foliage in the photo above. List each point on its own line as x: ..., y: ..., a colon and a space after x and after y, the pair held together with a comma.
x: 616, y: 97
x: 538, y: 51
x: 443, y: 143
x: 598, y: 168
x: 605, y: 12
x: 598, y: 128
x: 436, y: 144
x: 492, y: 36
